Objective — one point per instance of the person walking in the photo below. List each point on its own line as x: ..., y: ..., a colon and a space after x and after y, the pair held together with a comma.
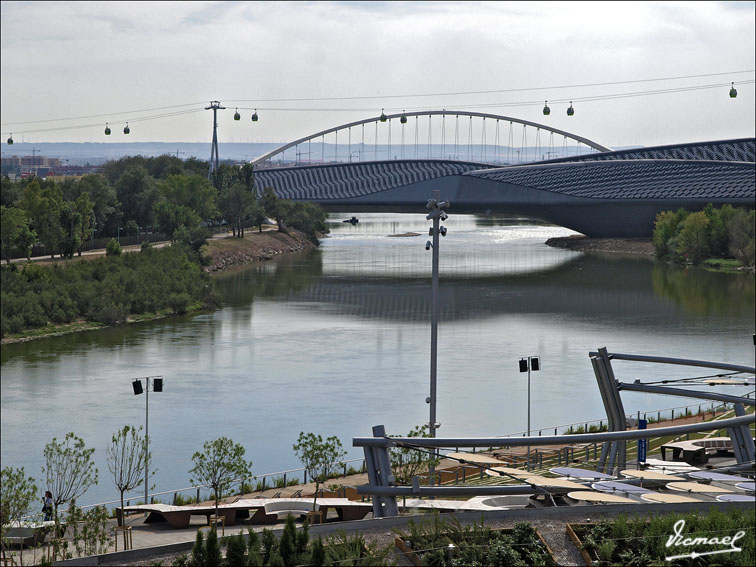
x: 47, y: 506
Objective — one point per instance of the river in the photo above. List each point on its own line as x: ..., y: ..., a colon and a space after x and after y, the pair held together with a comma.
x: 336, y: 340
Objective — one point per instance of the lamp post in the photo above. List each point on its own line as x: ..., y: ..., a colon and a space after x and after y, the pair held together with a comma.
x: 157, y: 386
x: 436, y: 215
x: 526, y: 365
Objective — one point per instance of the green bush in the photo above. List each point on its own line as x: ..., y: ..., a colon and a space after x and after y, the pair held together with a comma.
x: 693, y: 238
x: 714, y: 232
x: 113, y: 248
x: 104, y: 290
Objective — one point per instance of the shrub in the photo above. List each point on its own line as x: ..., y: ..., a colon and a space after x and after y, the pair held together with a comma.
x: 740, y: 232
x: 178, y: 302
x: 113, y: 248
x: 692, y: 241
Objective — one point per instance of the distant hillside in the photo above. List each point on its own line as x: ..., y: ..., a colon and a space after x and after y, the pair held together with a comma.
x: 93, y: 153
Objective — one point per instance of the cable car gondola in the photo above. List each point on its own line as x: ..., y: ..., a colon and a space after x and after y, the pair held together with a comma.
x: 570, y: 110
x: 383, y: 116
x: 733, y: 92
x: 126, y: 129
x: 10, y: 140
x: 546, y: 109
x: 107, y: 129
x: 403, y: 119
x: 254, y: 116
x: 237, y: 116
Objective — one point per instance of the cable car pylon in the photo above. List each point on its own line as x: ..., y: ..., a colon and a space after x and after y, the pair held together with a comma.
x: 215, y: 106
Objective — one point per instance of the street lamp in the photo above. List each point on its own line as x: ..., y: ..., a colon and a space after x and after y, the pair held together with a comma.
x: 436, y: 214
x: 157, y: 386
x: 526, y: 365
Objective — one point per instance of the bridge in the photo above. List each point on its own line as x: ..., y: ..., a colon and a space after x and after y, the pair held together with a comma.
x: 598, y: 193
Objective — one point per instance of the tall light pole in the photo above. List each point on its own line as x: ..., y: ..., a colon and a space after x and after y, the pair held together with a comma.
x: 526, y: 365
x: 157, y: 386
x: 436, y: 215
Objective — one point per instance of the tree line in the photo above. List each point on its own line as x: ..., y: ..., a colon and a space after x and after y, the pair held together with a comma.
x: 105, y: 290
x: 692, y: 237
x: 139, y: 194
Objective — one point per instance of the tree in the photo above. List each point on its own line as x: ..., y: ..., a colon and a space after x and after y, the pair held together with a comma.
x: 307, y: 217
x: 692, y: 242
x: 10, y: 192
x: 17, y: 493
x: 318, y: 457
x: 740, y: 232
x: 170, y: 216
x: 127, y: 456
x: 43, y: 206
x: 194, y: 192
x: 105, y: 203
x: 70, y: 222
x: 138, y: 194
x: 257, y: 215
x: 84, y: 207
x: 274, y: 207
x: 15, y: 233
x: 236, y: 204
x: 666, y: 227
x: 407, y: 462
x: 221, y: 463
x: 69, y: 469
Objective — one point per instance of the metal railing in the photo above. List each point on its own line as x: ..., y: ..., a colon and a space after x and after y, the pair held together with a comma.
x: 564, y: 456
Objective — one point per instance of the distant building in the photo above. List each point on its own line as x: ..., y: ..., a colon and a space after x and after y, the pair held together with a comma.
x: 26, y: 166
x: 22, y: 167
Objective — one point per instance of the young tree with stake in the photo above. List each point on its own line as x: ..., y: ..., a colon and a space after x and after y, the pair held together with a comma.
x: 221, y: 463
x: 318, y: 457
x: 69, y: 469
x: 127, y: 456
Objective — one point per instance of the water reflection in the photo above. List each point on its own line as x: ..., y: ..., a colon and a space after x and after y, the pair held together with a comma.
x: 704, y: 292
x: 341, y: 335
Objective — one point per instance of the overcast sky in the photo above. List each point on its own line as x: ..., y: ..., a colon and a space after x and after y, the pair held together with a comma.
x: 79, y: 59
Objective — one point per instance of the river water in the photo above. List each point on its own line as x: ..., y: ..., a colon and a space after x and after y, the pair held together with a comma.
x: 336, y: 340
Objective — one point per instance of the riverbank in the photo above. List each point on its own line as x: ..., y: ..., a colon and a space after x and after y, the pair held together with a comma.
x: 581, y: 243
x: 220, y: 253
x: 224, y: 253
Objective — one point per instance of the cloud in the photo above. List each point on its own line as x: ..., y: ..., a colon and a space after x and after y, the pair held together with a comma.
x: 79, y: 58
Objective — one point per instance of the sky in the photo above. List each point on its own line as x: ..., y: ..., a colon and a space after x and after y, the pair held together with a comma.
x: 67, y: 68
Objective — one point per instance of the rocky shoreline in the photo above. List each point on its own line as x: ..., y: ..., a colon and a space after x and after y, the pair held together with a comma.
x: 580, y: 243
x: 224, y: 253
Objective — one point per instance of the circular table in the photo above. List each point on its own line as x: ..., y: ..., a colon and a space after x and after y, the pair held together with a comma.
x: 553, y: 483
x: 736, y: 498
x: 496, y: 471
x: 667, y: 498
x: 580, y: 473
x: 474, y: 458
x: 611, y: 486
x: 696, y: 487
x: 648, y: 475
x: 599, y: 497
x: 710, y: 475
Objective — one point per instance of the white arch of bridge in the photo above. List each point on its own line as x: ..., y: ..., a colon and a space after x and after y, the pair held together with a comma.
x: 450, y: 113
